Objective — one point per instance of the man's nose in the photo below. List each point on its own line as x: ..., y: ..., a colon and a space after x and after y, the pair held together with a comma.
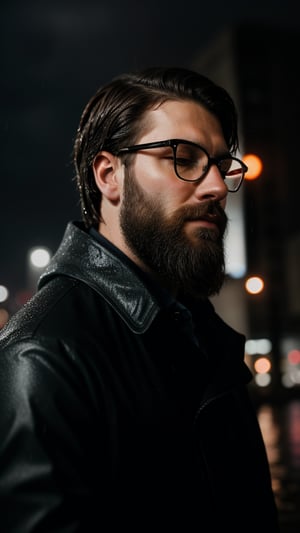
x: 212, y: 185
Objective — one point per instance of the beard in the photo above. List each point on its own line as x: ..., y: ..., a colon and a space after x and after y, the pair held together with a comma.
x: 192, y: 265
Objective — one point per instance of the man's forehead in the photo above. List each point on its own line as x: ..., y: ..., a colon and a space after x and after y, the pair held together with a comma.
x: 173, y: 107
x: 179, y: 119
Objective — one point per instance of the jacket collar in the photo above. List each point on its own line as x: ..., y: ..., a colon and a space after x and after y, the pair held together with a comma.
x: 81, y: 257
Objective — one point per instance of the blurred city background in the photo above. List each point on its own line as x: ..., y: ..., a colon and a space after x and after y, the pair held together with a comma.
x: 55, y: 54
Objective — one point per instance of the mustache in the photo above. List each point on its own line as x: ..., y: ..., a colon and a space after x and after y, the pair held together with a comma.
x: 210, y: 211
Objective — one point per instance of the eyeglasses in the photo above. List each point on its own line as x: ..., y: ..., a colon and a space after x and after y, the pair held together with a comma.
x: 192, y: 162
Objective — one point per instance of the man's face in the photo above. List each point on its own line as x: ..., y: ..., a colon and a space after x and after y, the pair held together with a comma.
x: 176, y: 228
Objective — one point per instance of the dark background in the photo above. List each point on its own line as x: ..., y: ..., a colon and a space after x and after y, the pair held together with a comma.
x: 54, y: 56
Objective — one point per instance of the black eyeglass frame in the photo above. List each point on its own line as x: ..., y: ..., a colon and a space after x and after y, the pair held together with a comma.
x: 173, y: 143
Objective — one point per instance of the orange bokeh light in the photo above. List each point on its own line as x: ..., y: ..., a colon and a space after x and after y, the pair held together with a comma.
x: 255, y: 166
x: 262, y: 365
x: 254, y: 285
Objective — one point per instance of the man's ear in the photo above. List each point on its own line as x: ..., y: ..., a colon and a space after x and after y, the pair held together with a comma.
x: 107, y: 171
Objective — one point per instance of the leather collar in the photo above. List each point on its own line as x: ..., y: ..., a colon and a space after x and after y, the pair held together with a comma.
x: 81, y: 257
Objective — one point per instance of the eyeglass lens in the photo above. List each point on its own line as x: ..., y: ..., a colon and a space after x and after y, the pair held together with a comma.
x: 192, y: 163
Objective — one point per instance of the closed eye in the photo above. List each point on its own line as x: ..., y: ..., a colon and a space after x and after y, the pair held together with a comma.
x: 185, y: 162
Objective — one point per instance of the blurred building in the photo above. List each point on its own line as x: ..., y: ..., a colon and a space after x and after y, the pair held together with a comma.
x: 258, y: 64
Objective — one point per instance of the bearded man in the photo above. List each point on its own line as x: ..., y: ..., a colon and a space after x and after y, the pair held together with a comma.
x: 124, y: 400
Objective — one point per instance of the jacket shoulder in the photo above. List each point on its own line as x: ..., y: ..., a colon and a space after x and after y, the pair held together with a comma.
x: 25, y: 323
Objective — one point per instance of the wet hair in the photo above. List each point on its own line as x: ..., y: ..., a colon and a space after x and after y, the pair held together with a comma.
x: 113, y: 119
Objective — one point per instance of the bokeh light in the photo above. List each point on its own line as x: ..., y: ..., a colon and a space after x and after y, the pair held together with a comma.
x: 262, y: 365
x: 255, y: 166
x: 254, y: 285
x: 39, y: 257
x: 4, y: 316
x: 3, y: 293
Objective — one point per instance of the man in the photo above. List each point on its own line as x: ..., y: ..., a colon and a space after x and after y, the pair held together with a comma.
x: 123, y: 395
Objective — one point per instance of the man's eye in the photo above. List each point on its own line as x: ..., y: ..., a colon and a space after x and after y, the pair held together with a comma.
x: 186, y: 162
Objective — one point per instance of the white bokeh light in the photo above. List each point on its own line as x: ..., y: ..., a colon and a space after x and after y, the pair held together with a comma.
x: 3, y: 293
x: 39, y: 257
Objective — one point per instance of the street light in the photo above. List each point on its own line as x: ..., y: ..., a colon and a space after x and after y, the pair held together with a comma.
x: 254, y: 285
x: 3, y: 293
x: 38, y: 258
x: 255, y: 166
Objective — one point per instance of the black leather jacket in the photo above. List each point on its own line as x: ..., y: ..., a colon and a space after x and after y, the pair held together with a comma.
x: 120, y: 410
